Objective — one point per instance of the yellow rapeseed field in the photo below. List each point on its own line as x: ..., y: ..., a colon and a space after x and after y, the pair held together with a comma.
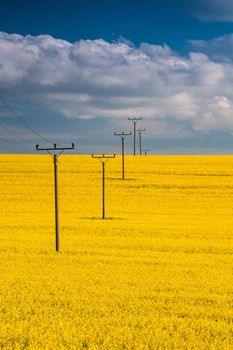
x: 156, y: 274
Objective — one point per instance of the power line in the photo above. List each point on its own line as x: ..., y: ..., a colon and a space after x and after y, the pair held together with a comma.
x: 22, y: 121
x: 3, y: 126
x: 11, y: 132
x: 8, y: 141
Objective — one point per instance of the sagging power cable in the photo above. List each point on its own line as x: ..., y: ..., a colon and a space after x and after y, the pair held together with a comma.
x: 22, y: 121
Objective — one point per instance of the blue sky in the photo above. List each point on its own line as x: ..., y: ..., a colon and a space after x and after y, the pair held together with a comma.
x: 75, y: 70
x: 156, y: 22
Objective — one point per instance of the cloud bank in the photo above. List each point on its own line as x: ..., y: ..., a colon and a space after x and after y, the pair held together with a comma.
x: 89, y: 80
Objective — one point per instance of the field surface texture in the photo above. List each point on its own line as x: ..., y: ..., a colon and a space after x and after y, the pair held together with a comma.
x: 156, y: 274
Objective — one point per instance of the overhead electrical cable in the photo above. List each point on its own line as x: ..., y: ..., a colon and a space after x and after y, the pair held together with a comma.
x: 8, y: 141
x: 22, y: 121
x: 3, y: 126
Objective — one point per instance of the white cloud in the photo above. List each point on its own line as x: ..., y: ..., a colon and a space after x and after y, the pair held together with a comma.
x: 89, y: 79
x: 218, y: 49
x: 216, y: 107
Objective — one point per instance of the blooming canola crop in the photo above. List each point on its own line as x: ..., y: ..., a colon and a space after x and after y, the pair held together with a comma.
x: 156, y: 274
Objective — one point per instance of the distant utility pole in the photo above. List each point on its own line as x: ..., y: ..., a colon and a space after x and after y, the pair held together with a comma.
x: 55, y: 152
x: 123, y: 135
x: 140, y: 139
x: 134, y: 120
x: 103, y: 159
x: 146, y: 151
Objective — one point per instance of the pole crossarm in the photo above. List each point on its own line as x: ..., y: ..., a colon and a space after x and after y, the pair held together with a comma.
x: 122, y: 134
x: 54, y: 148
x: 134, y: 119
x: 146, y: 150
x: 141, y: 130
x: 103, y: 156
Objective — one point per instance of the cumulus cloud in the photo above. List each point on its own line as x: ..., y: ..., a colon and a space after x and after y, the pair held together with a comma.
x: 178, y: 96
x: 218, y: 49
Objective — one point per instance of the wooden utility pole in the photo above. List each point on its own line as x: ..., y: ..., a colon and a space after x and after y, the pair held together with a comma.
x: 123, y: 136
x: 140, y: 139
x: 55, y: 152
x: 134, y: 120
x: 103, y: 159
x: 57, y: 239
x: 146, y: 151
